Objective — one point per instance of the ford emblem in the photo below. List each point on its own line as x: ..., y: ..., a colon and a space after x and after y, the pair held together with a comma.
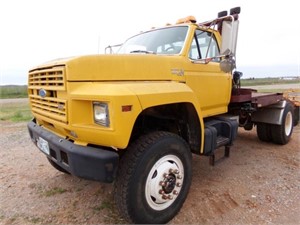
x: 42, y: 93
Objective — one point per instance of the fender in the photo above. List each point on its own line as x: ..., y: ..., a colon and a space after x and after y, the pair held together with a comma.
x: 166, y: 92
x: 272, y: 114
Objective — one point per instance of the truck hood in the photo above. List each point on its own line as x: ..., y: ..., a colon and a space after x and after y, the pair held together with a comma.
x: 118, y: 67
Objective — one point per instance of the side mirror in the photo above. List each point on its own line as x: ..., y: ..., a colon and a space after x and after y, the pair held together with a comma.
x: 230, y: 29
x: 229, y: 36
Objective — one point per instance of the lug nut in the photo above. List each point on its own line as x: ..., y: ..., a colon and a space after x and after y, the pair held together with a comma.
x: 178, y: 184
x: 165, y: 175
x: 165, y: 197
x: 161, y: 183
x: 170, y: 197
x: 161, y: 191
x: 179, y: 177
x: 176, y: 171
x: 175, y: 192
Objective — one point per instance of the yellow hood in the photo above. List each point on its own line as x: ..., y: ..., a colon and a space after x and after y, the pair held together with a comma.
x: 117, y: 67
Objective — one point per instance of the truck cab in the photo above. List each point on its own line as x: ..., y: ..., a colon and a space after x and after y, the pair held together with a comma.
x: 186, y: 45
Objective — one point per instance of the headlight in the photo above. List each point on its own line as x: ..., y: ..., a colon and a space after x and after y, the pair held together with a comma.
x: 101, y: 114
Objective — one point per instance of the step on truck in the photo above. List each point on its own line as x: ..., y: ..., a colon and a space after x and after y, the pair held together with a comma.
x: 136, y: 117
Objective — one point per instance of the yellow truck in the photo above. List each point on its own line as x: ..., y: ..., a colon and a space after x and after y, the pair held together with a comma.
x: 136, y: 117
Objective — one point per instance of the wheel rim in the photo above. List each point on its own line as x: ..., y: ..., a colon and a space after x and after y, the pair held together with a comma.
x: 164, y: 182
x: 288, y: 124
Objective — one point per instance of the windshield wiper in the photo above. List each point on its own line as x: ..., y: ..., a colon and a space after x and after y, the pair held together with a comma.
x: 143, y: 51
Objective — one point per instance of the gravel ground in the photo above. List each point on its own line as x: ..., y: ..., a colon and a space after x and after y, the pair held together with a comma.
x: 258, y: 184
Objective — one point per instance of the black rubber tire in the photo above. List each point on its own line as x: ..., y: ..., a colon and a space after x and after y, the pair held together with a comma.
x: 135, y: 166
x: 263, y: 131
x: 57, y: 167
x: 296, y: 115
x: 282, y: 133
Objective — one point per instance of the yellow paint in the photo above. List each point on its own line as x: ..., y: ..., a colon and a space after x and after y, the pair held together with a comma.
x: 138, y: 80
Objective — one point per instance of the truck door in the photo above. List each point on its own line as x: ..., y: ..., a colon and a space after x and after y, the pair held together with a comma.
x: 211, y: 85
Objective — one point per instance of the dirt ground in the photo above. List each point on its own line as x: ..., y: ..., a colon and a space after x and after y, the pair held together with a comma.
x: 258, y: 184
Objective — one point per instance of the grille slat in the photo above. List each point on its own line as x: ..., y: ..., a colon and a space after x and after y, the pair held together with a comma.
x: 53, y: 81
x: 48, y: 82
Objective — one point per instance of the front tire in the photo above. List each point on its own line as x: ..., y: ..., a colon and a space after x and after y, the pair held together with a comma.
x: 57, y: 167
x: 154, y: 178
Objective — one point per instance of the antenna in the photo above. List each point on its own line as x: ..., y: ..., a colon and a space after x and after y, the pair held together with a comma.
x: 98, y: 44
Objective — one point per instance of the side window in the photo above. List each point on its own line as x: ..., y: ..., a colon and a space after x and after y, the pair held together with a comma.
x: 194, y: 52
x: 204, y: 45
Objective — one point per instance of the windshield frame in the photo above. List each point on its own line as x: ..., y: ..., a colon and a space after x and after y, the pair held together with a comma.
x: 157, y: 46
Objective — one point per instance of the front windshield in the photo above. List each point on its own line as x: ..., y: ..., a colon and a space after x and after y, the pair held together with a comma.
x: 162, y: 41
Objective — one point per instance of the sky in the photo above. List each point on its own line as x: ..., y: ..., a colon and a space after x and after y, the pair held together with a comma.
x: 36, y: 31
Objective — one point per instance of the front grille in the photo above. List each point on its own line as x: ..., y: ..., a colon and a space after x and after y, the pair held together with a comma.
x: 44, y: 86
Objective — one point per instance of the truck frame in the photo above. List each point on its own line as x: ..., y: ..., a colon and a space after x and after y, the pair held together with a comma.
x: 136, y: 117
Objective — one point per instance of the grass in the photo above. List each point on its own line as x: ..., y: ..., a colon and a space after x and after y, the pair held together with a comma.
x: 268, y: 90
x: 13, y: 91
x: 54, y: 191
x: 34, y: 220
x: 104, y: 205
x: 18, y: 111
x: 111, y: 216
x: 268, y: 81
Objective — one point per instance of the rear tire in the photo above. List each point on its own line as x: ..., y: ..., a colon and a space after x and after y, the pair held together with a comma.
x: 154, y: 178
x: 296, y: 115
x: 282, y: 133
x: 263, y: 131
